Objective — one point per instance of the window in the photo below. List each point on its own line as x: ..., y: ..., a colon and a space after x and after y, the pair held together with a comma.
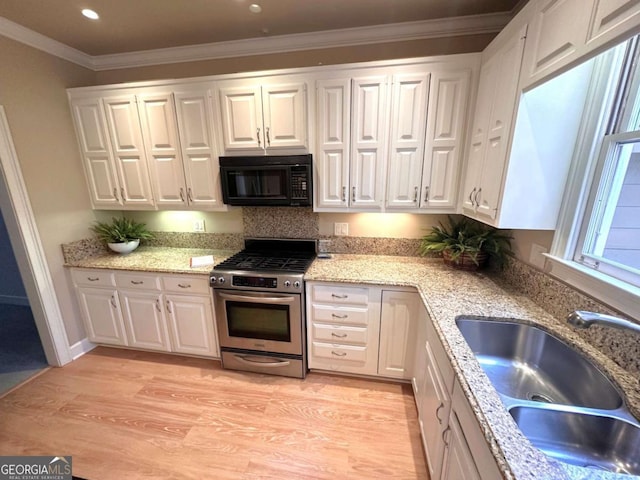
x: 597, y: 242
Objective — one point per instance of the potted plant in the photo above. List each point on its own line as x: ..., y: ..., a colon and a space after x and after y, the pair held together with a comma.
x: 122, y: 235
x: 466, y: 244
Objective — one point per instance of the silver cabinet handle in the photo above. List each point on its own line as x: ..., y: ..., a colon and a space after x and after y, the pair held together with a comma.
x: 258, y: 136
x: 338, y: 354
x: 169, y: 307
x: 181, y: 285
x: 444, y: 434
x: 426, y: 194
x: 476, y: 197
x: 344, y: 193
x: 182, y: 194
x: 124, y: 197
x: 137, y: 282
x: 344, y: 335
x: 341, y: 297
x: 189, y: 195
x: 471, y: 197
x: 113, y: 302
x: 93, y: 279
x: 441, y: 406
x: 268, y: 136
x: 415, y: 195
x: 339, y: 316
x: 158, y: 305
x: 115, y: 194
x: 353, y: 194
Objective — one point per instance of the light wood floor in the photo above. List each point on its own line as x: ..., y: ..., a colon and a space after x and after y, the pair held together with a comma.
x: 126, y: 415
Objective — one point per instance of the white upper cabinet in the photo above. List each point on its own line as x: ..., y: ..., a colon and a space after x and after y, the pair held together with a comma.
x: 266, y: 117
x: 369, y: 136
x: 445, y: 139
x: 564, y: 33
x: 104, y: 188
x: 333, y: 118
x: 409, y: 122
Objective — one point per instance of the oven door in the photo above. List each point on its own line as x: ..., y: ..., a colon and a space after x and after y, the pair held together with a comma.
x: 268, y: 322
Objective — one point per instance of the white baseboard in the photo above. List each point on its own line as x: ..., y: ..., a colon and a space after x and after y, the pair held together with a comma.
x: 13, y: 300
x: 80, y: 348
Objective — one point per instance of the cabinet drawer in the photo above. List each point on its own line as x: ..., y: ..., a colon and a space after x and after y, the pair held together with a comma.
x: 95, y: 278
x: 138, y: 281
x: 339, y: 334
x: 339, y: 353
x: 342, y: 315
x: 338, y: 295
x: 184, y: 284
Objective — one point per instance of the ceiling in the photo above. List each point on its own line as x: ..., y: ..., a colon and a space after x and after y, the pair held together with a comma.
x: 134, y: 25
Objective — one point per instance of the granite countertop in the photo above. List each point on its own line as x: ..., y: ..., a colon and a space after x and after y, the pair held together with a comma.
x: 153, y: 259
x: 446, y: 293
x: 449, y: 293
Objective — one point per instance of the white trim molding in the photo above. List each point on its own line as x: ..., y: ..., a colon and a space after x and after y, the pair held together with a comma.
x: 81, y: 347
x: 396, y: 32
x: 19, y: 215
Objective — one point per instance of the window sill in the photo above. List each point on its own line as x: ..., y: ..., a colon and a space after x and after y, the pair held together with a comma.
x: 619, y: 295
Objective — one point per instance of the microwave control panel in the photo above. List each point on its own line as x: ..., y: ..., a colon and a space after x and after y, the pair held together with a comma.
x: 299, y: 183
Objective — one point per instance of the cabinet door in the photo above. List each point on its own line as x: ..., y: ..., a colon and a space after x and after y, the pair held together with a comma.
x: 408, y: 125
x: 444, y: 139
x: 557, y: 33
x: 612, y: 18
x: 332, y: 152
x: 479, y: 131
x: 398, y: 324
x: 101, y: 313
x: 368, y: 141
x: 434, y: 413
x: 199, y: 152
x: 459, y: 462
x: 504, y: 102
x: 144, y: 320
x: 126, y: 140
x: 91, y: 129
x: 241, y: 118
x: 285, y: 116
x: 160, y: 133
x: 191, y: 324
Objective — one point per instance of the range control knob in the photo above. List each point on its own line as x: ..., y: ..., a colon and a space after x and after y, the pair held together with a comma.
x: 296, y: 284
x: 221, y: 280
x: 287, y: 283
x: 212, y: 280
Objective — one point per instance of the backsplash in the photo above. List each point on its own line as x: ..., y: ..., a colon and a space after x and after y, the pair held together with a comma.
x: 560, y: 299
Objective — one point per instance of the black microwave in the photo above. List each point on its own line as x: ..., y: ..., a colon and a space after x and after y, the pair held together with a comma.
x: 272, y: 180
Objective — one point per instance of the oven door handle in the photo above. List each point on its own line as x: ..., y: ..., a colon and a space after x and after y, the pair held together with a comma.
x: 271, y: 300
x: 277, y: 363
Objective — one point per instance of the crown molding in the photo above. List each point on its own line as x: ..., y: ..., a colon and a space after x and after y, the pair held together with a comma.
x: 398, y: 32
x: 24, y: 35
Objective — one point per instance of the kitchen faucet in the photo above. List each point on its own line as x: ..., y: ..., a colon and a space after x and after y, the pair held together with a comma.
x: 583, y: 319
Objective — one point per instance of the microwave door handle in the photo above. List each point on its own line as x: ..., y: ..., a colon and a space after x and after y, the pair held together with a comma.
x: 269, y: 300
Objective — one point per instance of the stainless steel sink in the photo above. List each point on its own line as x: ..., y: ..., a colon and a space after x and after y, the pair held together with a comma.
x: 592, y: 441
x: 560, y: 401
x: 527, y: 363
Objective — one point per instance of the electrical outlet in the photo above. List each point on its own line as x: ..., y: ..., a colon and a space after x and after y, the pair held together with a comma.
x: 198, y: 225
x: 341, y: 229
x: 536, y: 257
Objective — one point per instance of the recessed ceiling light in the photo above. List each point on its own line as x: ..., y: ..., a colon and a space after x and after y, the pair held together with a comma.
x: 255, y: 8
x: 87, y: 12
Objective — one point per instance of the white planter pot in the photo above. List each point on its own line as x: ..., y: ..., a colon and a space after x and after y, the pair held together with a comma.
x: 124, y: 247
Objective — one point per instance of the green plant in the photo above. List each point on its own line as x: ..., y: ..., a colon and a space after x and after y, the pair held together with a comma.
x: 465, y: 237
x: 121, y: 230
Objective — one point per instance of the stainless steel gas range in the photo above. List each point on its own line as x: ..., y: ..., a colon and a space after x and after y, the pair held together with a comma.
x: 259, y: 301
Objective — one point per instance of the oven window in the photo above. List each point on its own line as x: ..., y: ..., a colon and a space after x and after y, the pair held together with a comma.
x: 265, y: 322
x: 264, y: 183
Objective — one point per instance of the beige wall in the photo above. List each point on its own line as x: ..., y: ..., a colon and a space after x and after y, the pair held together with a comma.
x: 329, y: 56
x: 33, y: 92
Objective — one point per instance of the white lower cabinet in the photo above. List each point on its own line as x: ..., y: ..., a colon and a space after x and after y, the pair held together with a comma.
x: 398, y: 322
x: 147, y: 311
